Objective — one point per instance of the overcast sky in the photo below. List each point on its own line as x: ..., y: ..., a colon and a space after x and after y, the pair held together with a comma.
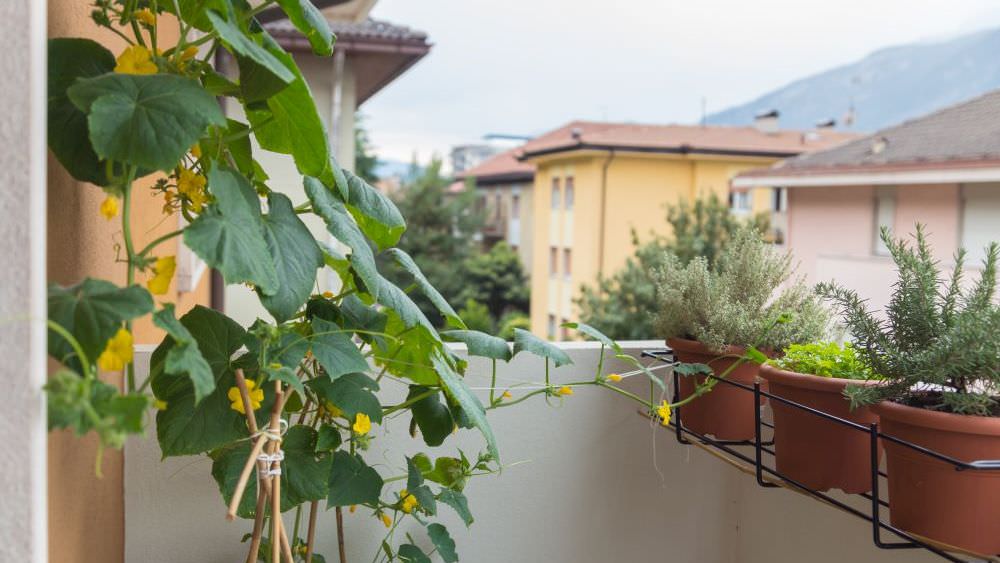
x: 527, y: 66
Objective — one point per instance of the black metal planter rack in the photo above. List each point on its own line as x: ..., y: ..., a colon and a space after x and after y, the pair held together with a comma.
x: 767, y: 476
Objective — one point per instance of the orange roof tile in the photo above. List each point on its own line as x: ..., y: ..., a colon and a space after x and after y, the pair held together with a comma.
x: 504, y: 166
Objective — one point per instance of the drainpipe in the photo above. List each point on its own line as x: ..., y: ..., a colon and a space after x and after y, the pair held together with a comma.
x: 604, y: 212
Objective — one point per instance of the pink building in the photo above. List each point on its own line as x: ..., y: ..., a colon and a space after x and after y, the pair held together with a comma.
x: 942, y: 170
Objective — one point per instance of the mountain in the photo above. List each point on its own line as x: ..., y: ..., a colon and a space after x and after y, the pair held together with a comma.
x: 887, y: 87
x: 390, y: 168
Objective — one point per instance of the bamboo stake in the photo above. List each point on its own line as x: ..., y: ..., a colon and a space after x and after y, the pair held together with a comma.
x: 286, y: 549
x: 311, y: 534
x: 258, y: 446
x: 275, y: 482
x: 263, y: 494
x: 340, y: 535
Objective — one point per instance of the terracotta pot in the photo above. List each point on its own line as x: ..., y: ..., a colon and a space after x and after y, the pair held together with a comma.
x: 929, y: 497
x: 819, y: 453
x: 726, y: 412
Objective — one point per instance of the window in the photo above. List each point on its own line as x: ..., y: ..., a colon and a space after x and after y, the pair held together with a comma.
x: 552, y: 327
x: 553, y: 261
x: 569, y: 193
x: 515, y: 207
x: 555, y: 193
x: 980, y: 208
x: 498, y: 203
x: 779, y: 200
x: 567, y: 263
x: 739, y: 201
x: 885, y: 215
x: 565, y: 330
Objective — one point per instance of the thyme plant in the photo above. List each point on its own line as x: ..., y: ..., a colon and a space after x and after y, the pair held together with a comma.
x: 936, y: 343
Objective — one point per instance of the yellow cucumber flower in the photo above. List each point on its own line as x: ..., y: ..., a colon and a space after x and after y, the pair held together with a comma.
x: 362, y: 423
x: 614, y: 377
x: 196, y: 150
x: 564, y: 391
x: 145, y: 16
x: 663, y: 411
x: 506, y: 395
x: 409, y: 502
x: 353, y: 508
x: 386, y: 520
x: 160, y: 405
x: 256, y: 397
x: 192, y: 186
x: 136, y: 60
x: 189, y: 53
x: 109, y: 207
x: 163, y: 272
x: 117, y: 352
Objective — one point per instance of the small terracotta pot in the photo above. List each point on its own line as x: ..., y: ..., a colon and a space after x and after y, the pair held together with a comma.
x: 819, y: 453
x: 726, y: 412
x: 929, y: 497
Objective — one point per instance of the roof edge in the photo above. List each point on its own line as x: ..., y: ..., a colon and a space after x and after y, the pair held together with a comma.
x: 683, y: 149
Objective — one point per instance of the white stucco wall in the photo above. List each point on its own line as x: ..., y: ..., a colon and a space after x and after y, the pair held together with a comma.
x: 597, y: 484
x: 23, y: 535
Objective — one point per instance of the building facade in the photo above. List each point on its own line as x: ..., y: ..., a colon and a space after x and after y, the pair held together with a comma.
x: 941, y: 170
x: 597, y: 182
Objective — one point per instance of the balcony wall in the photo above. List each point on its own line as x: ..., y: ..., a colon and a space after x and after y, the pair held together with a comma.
x: 588, y: 480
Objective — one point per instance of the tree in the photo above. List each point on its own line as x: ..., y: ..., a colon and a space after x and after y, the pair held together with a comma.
x: 496, y: 279
x: 365, y: 161
x: 624, y: 305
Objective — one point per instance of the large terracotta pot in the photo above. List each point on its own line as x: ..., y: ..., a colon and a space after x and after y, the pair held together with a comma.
x: 726, y: 412
x: 929, y: 497
x: 819, y: 453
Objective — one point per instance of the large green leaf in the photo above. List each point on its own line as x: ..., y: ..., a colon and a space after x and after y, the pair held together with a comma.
x: 396, y: 299
x: 408, y: 354
x: 470, y: 405
x: 443, y: 542
x: 412, y: 554
x: 351, y: 393
x: 335, y: 351
x: 342, y: 226
x: 525, y: 341
x: 185, y: 427
x: 481, y: 344
x: 352, y: 481
x: 416, y: 487
x: 70, y: 59
x: 595, y: 334
x: 295, y: 255
x: 432, y: 294
x: 375, y: 213
x: 457, y: 501
x: 195, y: 12
x: 289, y: 122
x: 229, y: 235
x: 432, y: 416
x: 311, y: 22
x: 92, y: 311
x: 149, y: 121
x: 244, y: 45
x: 184, y: 358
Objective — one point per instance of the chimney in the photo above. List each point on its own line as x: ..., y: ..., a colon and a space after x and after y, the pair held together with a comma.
x: 766, y: 121
x: 828, y: 123
x: 577, y: 134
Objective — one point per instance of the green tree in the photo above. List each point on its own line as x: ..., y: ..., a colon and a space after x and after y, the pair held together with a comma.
x: 365, y: 161
x: 496, y: 279
x: 624, y: 305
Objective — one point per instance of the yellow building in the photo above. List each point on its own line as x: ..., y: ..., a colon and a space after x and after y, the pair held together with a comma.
x: 595, y: 182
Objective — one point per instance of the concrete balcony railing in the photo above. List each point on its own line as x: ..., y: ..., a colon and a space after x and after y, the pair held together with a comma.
x: 588, y: 481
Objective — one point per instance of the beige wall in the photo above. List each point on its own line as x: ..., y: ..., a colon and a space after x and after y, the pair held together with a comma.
x: 86, y: 513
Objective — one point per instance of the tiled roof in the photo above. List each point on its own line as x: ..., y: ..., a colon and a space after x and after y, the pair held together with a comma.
x: 369, y: 29
x: 681, y: 139
x: 504, y: 166
x: 965, y: 134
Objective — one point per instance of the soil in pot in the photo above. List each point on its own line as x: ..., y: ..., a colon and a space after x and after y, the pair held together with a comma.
x: 819, y: 453
x: 726, y: 412
x: 929, y: 497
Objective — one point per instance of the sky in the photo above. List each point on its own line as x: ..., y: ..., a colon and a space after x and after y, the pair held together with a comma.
x: 527, y: 66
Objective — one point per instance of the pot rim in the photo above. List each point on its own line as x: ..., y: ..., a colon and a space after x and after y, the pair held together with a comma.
x: 809, y: 381
x: 697, y: 347
x: 937, y: 421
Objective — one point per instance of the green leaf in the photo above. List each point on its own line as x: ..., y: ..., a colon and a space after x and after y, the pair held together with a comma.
x: 184, y: 358
x: 92, y: 311
x: 284, y: 374
x: 692, y: 369
x: 407, y: 354
x: 351, y: 393
x: 375, y: 213
x: 185, y: 427
x: 446, y: 471
x: 343, y: 228
x: 595, y: 334
x: 396, y: 299
x: 481, y: 344
x: 227, y: 463
x: 229, y: 235
x: 295, y: 255
x: 756, y: 355
x: 412, y: 554
x: 525, y: 341
x: 82, y: 406
x: 335, y: 351
x: 312, y: 23
x: 457, y: 501
x: 432, y: 294
x: 432, y: 416
x: 352, y: 481
x: 632, y: 361
x: 415, y: 486
x: 70, y: 59
x: 470, y: 405
x: 149, y: 121
x: 242, y: 44
x: 290, y: 123
x: 195, y: 12
x: 328, y: 438
x: 443, y: 542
